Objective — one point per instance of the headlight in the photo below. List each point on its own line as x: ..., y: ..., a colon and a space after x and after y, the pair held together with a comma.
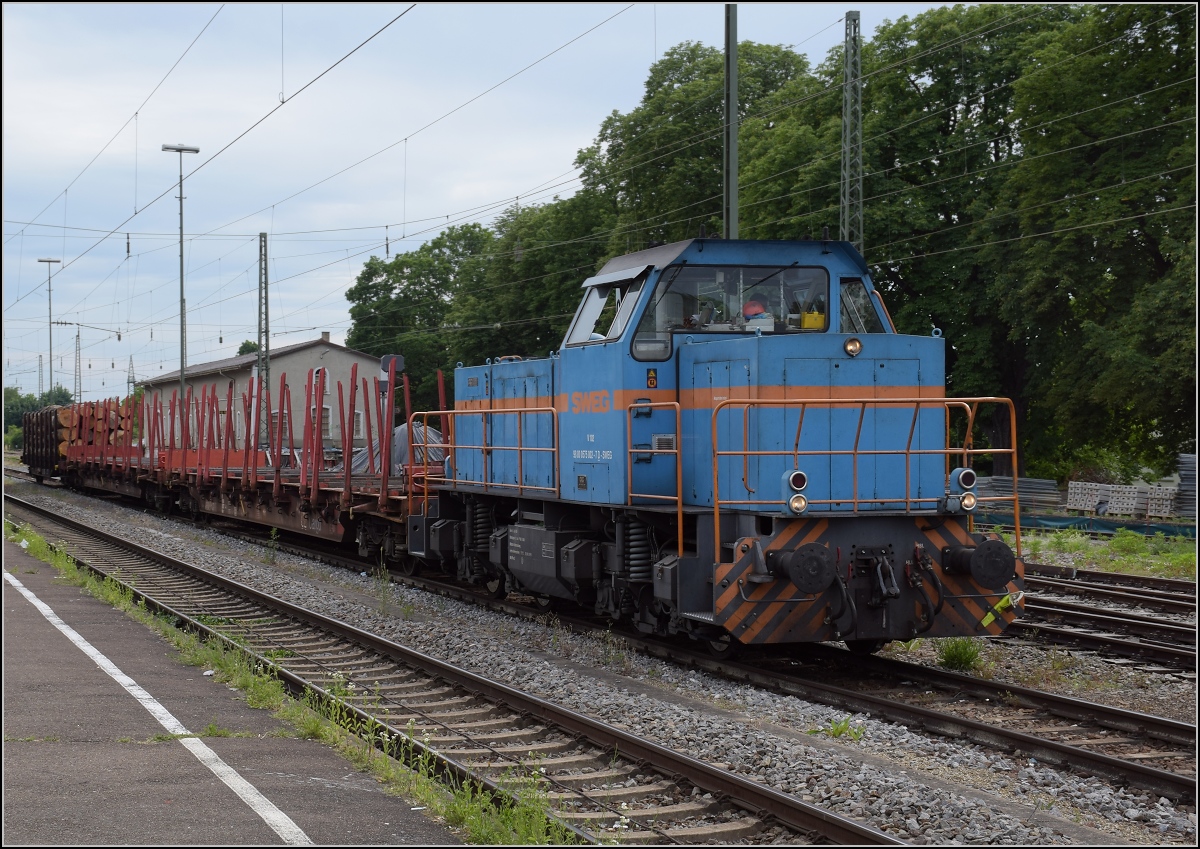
x: 853, y: 346
x: 969, y: 501
x: 797, y: 480
x: 797, y: 504
x: 967, y: 478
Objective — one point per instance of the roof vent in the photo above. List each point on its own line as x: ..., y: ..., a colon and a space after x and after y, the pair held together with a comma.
x: 324, y: 335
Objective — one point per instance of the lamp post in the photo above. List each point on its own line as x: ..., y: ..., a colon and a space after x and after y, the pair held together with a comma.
x: 181, y: 149
x: 50, y: 318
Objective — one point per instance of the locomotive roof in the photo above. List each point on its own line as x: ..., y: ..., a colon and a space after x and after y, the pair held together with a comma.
x: 662, y: 255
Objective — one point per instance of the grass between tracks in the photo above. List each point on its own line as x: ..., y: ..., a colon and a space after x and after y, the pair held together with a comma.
x: 480, y: 818
x: 1125, y: 551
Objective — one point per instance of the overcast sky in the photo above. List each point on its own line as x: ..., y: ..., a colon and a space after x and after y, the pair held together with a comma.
x: 482, y: 128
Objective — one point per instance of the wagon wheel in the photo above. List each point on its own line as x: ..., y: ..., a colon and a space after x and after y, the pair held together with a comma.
x: 545, y: 603
x: 496, y: 586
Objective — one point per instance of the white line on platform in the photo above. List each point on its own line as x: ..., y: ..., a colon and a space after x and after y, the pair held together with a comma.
x: 280, y: 822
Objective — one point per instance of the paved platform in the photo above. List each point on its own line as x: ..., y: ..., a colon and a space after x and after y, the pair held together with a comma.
x: 86, y: 763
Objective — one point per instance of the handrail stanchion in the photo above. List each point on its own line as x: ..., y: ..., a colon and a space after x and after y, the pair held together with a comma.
x: 170, y: 444
x: 247, y: 408
x: 348, y: 451
x: 277, y: 489
x: 307, y: 434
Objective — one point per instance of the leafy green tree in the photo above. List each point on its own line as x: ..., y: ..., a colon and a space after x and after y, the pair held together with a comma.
x: 531, y: 279
x: 662, y: 161
x: 1100, y: 275
x: 247, y: 347
x: 400, y: 307
x: 16, y: 404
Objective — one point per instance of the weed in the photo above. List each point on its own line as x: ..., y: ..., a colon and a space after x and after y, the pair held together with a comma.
x: 214, y: 730
x: 613, y: 650
x: 838, y: 727
x: 272, y: 547
x: 1069, y: 542
x: 383, y: 584
x: 959, y: 653
x: 1128, y: 543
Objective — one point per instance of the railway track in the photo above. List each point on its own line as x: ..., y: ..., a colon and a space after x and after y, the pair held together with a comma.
x: 1144, y: 751
x: 602, y: 783
x: 1138, y: 749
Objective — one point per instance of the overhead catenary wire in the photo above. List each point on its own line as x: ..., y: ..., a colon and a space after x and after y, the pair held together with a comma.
x: 133, y: 117
x: 238, y: 138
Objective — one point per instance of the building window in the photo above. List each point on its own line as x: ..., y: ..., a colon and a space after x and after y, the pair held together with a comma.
x: 275, y: 424
x: 358, y: 424
x: 326, y: 418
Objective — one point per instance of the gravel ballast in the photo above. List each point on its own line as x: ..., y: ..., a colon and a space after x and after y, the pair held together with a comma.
x: 922, y: 788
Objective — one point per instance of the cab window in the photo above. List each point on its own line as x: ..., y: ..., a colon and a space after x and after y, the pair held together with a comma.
x: 857, y: 311
x: 732, y: 299
x: 605, y: 312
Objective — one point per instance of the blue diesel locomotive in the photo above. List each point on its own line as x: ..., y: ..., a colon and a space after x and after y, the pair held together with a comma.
x: 732, y: 443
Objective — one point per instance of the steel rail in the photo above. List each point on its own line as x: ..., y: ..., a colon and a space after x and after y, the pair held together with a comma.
x: 1119, y: 579
x: 1168, y: 602
x: 1118, y: 621
x: 1162, y: 782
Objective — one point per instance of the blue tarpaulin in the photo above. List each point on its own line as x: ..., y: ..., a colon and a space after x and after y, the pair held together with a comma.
x: 1087, y: 524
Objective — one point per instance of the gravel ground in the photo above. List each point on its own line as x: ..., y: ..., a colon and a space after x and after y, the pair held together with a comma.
x: 925, y: 789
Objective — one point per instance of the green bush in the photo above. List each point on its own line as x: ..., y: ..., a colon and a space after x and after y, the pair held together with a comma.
x: 14, y: 438
x: 1065, y: 542
x: 961, y: 654
x: 1128, y: 543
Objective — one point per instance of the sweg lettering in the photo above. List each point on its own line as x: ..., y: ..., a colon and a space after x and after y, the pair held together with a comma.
x: 599, y: 401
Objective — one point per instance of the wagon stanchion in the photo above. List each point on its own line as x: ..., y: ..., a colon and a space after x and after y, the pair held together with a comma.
x: 370, y: 435
x: 225, y: 484
x: 385, y: 436
x: 306, y: 437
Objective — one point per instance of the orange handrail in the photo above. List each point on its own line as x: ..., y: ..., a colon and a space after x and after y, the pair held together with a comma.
x: 676, y: 451
x: 450, y: 447
x: 968, y: 405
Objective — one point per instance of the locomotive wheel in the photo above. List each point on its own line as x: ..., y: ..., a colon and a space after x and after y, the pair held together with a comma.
x: 495, y: 587
x: 725, y: 648
x: 865, y: 647
x: 544, y: 603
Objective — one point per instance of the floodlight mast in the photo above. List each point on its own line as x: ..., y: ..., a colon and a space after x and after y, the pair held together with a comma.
x: 181, y: 149
x: 50, y: 324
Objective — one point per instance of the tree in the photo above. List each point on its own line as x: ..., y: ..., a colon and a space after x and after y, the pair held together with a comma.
x: 531, y: 276
x: 247, y: 347
x: 400, y: 307
x: 1103, y: 280
x: 662, y: 162
x: 17, y: 404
